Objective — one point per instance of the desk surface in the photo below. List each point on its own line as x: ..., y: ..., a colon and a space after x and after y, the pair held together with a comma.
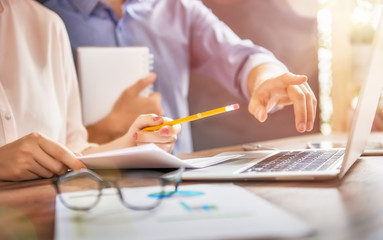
x: 350, y: 209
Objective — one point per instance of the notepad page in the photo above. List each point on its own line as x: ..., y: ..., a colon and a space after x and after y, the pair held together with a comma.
x: 105, y: 72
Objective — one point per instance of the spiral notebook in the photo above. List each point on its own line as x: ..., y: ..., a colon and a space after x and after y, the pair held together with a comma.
x: 105, y: 72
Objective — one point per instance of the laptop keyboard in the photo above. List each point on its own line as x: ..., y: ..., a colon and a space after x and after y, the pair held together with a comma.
x: 316, y: 160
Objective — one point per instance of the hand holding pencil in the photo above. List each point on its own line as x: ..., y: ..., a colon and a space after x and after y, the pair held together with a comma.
x: 195, y: 117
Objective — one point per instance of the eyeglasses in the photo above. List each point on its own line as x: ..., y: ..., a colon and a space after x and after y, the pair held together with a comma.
x: 138, y: 190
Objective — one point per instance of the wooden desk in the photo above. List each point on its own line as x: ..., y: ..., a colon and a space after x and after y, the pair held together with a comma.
x: 350, y: 209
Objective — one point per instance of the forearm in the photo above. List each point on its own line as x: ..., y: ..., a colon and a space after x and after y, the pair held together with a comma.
x: 164, y: 138
x: 118, y: 143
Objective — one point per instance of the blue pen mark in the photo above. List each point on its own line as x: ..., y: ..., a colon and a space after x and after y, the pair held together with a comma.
x: 179, y: 193
x: 183, y: 204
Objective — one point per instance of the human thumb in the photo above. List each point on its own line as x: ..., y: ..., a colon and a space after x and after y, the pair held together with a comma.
x: 143, y: 83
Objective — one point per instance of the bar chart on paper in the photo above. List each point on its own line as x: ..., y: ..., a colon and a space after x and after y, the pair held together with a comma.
x: 201, y: 211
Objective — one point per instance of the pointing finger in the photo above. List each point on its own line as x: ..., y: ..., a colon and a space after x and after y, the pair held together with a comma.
x: 298, y: 98
x: 143, y: 83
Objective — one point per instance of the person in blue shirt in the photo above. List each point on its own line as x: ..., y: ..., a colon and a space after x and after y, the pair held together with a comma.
x: 184, y: 36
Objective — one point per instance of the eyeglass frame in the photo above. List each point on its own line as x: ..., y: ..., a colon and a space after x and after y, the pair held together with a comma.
x: 174, y: 177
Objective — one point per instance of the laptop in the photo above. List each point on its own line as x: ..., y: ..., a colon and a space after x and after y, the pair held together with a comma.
x: 309, y: 164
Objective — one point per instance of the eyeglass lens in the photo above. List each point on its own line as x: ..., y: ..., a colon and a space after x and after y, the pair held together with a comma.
x: 80, y: 192
x: 139, y: 190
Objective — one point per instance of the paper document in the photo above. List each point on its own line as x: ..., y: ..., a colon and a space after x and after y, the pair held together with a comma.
x: 147, y: 156
x: 203, y: 211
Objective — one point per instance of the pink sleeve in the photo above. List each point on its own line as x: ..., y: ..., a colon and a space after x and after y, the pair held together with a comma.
x: 76, y: 133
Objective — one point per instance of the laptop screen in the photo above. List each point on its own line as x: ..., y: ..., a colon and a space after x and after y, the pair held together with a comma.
x: 367, y: 104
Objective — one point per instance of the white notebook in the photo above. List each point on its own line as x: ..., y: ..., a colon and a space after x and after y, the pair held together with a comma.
x: 105, y: 72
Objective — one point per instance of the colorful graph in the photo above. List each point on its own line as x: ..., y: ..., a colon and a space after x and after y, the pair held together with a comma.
x: 199, y: 208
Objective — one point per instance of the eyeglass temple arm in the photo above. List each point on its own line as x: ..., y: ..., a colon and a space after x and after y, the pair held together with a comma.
x: 175, y: 177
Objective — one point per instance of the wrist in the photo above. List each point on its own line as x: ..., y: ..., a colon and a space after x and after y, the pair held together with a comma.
x: 262, y: 73
x: 103, y: 131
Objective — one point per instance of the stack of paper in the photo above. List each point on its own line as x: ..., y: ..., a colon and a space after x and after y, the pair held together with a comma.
x: 147, y: 156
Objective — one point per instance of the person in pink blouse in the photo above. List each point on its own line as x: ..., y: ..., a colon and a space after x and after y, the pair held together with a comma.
x: 40, y: 113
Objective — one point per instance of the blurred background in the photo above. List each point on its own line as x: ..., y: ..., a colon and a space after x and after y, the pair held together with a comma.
x: 327, y: 40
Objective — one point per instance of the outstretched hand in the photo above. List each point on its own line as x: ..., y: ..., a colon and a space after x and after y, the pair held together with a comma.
x: 285, y: 89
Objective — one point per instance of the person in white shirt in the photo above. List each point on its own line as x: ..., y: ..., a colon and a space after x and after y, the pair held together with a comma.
x: 40, y: 114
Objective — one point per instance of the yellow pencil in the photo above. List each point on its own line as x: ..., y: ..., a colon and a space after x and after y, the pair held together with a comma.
x: 195, y: 117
